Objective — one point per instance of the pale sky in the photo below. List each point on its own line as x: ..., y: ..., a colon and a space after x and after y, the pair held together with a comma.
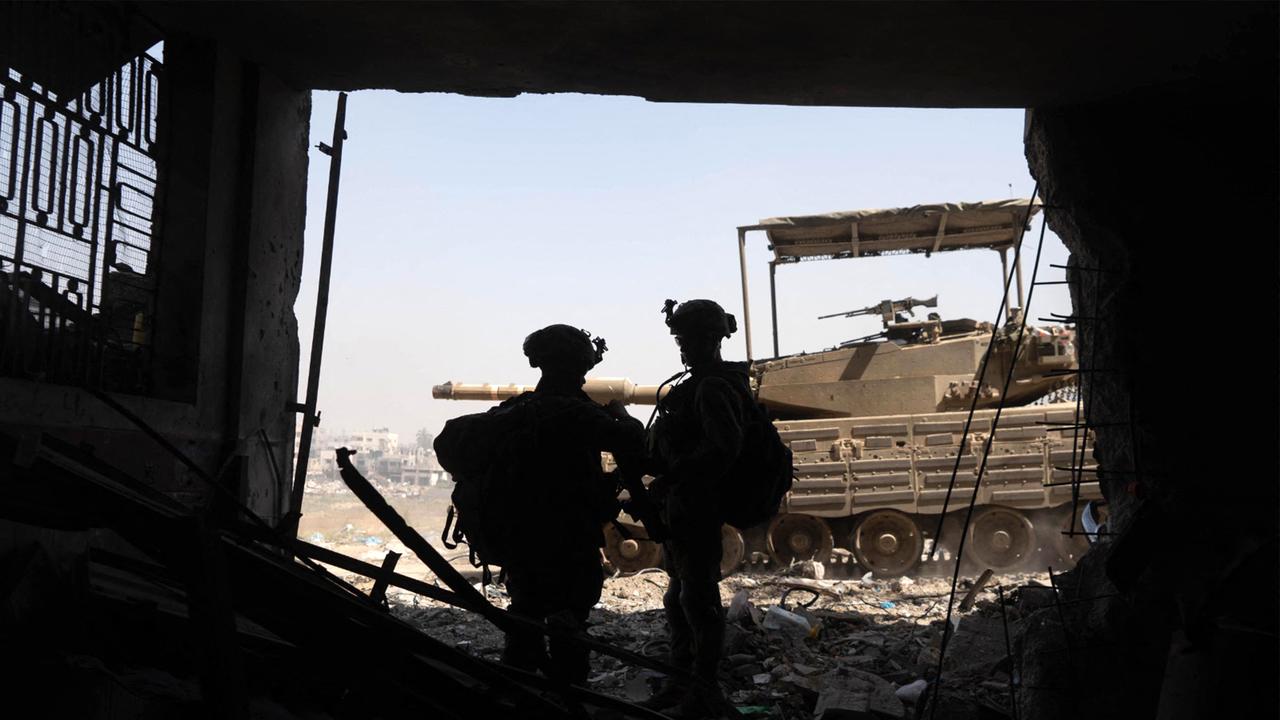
x: 466, y: 223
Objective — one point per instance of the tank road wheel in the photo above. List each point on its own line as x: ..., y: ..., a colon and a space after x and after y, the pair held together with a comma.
x: 628, y: 555
x: 732, y: 550
x: 1000, y: 538
x: 888, y: 543
x: 794, y: 537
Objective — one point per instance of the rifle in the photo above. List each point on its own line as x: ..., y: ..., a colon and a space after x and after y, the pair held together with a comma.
x: 639, y: 505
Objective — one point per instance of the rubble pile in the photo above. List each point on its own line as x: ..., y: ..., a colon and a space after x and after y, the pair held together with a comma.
x: 234, y: 611
x: 798, y: 647
x: 125, y: 598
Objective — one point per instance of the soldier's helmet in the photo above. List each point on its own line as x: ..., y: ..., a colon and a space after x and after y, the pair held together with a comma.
x: 563, y: 347
x: 699, y: 317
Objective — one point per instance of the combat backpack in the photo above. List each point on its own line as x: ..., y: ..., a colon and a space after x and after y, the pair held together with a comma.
x: 485, y: 453
x: 752, y: 490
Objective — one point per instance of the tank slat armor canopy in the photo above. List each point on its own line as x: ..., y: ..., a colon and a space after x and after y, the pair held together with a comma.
x: 875, y: 423
x: 927, y: 229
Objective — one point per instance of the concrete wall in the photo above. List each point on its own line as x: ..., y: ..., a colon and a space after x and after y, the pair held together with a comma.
x: 272, y: 268
x: 1174, y: 200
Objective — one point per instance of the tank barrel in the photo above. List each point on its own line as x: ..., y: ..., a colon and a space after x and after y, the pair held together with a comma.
x: 477, y: 391
x: 602, y: 390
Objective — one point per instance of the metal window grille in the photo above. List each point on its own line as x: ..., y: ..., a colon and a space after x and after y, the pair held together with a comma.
x: 78, y: 193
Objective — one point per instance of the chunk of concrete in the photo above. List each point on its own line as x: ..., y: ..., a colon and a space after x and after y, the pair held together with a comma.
x: 884, y: 700
x: 977, y: 645
x: 842, y: 704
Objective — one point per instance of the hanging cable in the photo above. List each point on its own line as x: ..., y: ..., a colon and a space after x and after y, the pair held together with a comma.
x: 982, y: 467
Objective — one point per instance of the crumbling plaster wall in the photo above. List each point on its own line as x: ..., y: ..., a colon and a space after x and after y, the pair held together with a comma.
x: 1168, y: 206
x: 253, y: 231
x: 272, y: 272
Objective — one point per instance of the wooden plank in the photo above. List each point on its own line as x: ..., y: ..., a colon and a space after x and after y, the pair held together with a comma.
x: 350, y: 564
x: 379, y: 592
x: 405, y: 533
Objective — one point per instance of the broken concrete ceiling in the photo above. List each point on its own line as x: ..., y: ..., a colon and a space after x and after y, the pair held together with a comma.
x: 71, y: 46
x: 874, y: 54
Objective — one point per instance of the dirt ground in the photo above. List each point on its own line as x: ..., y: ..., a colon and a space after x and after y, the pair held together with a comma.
x: 870, y: 639
x: 333, y: 518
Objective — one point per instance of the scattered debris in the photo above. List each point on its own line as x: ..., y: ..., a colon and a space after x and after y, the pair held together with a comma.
x: 977, y: 646
x: 839, y: 642
x: 238, y: 601
x: 807, y: 569
x: 910, y: 693
x: 776, y: 618
x: 739, y: 607
x: 853, y: 694
x: 821, y: 647
x: 829, y: 587
x: 841, y: 704
x: 887, y: 628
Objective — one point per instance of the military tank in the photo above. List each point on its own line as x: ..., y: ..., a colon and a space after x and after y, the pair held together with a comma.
x: 875, y: 424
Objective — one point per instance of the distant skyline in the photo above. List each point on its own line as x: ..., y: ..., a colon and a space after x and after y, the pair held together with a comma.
x: 466, y: 223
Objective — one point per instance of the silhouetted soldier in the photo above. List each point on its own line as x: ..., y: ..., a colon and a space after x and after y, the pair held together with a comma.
x: 560, y: 577
x: 697, y: 436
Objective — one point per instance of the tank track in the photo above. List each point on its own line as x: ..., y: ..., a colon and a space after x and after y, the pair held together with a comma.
x: 1000, y: 538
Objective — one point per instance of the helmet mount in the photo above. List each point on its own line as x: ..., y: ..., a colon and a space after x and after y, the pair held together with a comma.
x: 699, y: 317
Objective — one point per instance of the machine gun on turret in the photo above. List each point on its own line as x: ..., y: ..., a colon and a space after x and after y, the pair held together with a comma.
x: 888, y: 310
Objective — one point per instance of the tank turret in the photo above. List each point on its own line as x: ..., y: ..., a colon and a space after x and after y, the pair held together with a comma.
x: 915, y: 366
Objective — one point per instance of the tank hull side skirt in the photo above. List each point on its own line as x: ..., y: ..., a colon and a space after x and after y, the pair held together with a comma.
x: 868, y: 489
